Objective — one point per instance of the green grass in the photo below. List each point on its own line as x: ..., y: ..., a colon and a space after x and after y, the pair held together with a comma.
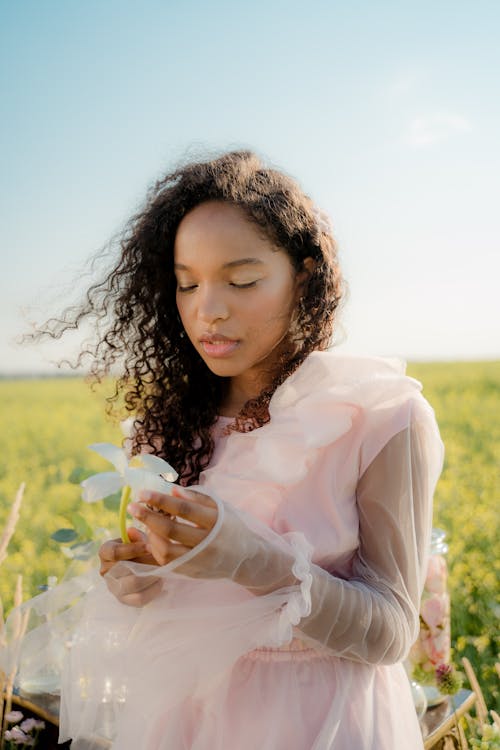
x: 48, y: 424
x: 466, y: 399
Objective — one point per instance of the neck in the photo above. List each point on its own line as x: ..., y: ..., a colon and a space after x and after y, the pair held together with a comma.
x: 236, y: 397
x: 250, y: 384
x: 243, y: 388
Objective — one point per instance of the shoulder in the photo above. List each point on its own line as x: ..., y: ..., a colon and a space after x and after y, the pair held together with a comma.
x: 330, y: 399
x: 367, y: 397
x: 389, y: 402
x: 365, y: 381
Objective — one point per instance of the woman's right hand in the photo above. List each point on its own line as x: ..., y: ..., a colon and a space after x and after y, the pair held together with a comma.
x: 135, y: 591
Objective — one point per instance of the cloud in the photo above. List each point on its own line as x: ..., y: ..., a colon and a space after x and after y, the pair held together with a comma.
x: 429, y: 129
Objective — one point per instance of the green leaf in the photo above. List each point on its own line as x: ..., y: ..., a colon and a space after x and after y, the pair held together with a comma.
x: 112, y: 502
x: 81, y: 526
x: 78, y: 474
x: 64, y: 535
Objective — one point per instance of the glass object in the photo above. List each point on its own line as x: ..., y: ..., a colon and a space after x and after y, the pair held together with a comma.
x: 419, y: 698
x: 417, y: 691
x: 432, y: 647
x: 40, y: 673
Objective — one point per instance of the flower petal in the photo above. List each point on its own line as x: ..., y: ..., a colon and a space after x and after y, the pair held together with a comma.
x: 101, y: 485
x: 14, y: 716
x: 140, y: 479
x: 111, y: 453
x: 158, y: 466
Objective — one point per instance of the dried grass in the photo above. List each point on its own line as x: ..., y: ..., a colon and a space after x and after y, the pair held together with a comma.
x: 19, y: 622
x: 11, y: 523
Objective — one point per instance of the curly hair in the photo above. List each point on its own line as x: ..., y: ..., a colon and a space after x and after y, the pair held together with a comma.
x: 163, y: 381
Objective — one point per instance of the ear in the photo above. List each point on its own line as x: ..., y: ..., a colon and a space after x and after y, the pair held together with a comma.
x: 303, y: 276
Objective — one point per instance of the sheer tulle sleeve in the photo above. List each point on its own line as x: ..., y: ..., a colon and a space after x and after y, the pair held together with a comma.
x: 373, y: 617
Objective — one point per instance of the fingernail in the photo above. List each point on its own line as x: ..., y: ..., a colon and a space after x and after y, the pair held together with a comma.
x: 135, y: 509
x: 182, y: 491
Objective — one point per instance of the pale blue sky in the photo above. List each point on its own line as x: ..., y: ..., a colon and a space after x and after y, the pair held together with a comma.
x: 388, y: 113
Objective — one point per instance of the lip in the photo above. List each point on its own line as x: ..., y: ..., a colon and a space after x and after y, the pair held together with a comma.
x: 217, y: 345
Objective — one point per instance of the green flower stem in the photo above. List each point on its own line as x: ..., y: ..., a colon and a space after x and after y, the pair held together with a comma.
x: 124, y: 501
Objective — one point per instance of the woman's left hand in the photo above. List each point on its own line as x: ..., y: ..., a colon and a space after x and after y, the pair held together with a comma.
x: 168, y: 537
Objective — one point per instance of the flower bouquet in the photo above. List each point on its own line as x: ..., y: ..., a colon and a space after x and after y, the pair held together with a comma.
x: 430, y: 654
x: 20, y: 732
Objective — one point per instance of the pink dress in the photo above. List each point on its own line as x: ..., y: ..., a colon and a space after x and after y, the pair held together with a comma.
x: 298, y: 646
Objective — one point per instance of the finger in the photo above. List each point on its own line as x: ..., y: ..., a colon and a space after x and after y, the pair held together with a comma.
x: 105, y: 567
x: 114, y: 550
x: 166, y: 527
x: 140, y: 598
x: 182, y: 505
x: 165, y: 551
x: 146, y: 559
x: 201, y: 498
x: 188, y: 508
x: 131, y: 584
x: 136, y: 535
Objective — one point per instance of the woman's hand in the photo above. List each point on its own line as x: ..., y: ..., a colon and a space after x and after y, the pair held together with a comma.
x: 168, y: 536
x: 179, y: 522
x: 114, y: 550
x: 136, y: 591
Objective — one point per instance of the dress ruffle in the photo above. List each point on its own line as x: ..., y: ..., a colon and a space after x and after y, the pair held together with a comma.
x: 316, y: 406
x: 299, y: 603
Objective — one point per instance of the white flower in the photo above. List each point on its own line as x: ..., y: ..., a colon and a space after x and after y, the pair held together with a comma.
x: 147, y: 477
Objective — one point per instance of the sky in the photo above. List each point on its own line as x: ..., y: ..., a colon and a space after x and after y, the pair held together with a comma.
x: 387, y: 113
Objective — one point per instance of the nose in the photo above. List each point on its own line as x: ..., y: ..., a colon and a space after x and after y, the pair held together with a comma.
x: 211, y: 304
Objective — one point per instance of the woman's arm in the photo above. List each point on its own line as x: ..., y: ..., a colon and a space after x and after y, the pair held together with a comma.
x: 374, y: 617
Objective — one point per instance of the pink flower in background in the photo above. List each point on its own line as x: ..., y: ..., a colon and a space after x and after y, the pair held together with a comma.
x: 433, y: 645
x: 417, y: 652
x: 435, y: 581
x: 14, y: 716
x: 29, y: 724
x: 18, y: 736
x: 435, y: 609
x: 437, y: 647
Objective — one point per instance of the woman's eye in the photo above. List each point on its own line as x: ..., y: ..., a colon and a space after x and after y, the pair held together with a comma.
x: 243, y: 286
x: 188, y: 288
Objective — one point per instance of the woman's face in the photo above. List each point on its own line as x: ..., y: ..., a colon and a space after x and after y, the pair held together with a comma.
x: 236, y: 292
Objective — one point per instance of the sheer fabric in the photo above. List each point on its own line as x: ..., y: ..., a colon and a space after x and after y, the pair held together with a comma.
x: 286, y: 626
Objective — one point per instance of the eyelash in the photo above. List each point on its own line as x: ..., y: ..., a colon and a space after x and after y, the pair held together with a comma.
x: 185, y: 288
x: 236, y: 286
x: 244, y: 286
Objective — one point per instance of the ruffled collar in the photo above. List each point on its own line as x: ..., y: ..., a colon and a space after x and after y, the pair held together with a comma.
x: 313, y: 408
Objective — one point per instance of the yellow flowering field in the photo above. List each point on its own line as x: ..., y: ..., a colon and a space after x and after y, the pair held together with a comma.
x: 466, y: 399
x: 48, y: 423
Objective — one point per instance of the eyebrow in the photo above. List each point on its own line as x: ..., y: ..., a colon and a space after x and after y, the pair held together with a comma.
x: 231, y: 264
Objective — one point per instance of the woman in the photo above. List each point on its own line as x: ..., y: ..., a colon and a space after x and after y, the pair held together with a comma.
x: 271, y: 597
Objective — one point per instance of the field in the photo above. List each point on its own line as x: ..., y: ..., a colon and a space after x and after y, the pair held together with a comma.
x: 49, y: 422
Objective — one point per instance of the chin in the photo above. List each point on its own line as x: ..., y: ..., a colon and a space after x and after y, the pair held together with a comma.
x: 223, y: 369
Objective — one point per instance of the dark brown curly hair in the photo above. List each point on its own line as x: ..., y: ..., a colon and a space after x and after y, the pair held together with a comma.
x: 163, y: 381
